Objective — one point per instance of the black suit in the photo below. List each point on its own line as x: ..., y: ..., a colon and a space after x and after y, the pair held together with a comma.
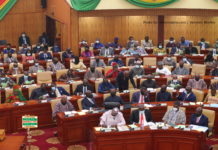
x: 37, y: 93
x: 86, y: 104
x: 134, y: 118
x: 21, y: 80
x: 79, y: 89
x: 21, y: 41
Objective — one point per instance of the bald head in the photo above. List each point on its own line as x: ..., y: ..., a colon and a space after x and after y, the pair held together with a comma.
x: 64, y: 100
x: 114, y: 111
x: 198, y: 111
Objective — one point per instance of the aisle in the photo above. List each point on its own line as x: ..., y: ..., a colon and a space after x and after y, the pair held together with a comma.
x: 44, y: 139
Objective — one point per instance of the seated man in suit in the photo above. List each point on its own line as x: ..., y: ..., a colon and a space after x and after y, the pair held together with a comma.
x: 105, y: 86
x: 181, y: 70
x: 40, y: 93
x: 55, y: 65
x: 149, y: 83
x: 26, y: 79
x: 5, y: 81
x: 69, y: 76
x: 113, y: 97
x: 106, y: 51
x: 88, y: 101
x: 112, y: 118
x: 163, y: 95
x: 68, y: 54
x: 56, y: 48
x: 82, y: 88
x: 93, y: 74
x: 134, y: 61
x: 10, y: 58
x: 198, y: 118
x: 174, y: 83
x: 24, y: 39
x: 38, y: 48
x: 57, y: 91
x: 141, y: 97
x: 98, y: 44
x: 141, y: 115
x: 187, y: 95
x: 117, y: 61
x: 62, y: 106
x: 175, y: 115
x: 137, y: 70
x: 45, y: 55
x: 123, y: 79
x: 8, y: 49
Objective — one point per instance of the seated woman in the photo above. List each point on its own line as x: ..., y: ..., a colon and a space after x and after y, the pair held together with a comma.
x: 28, y: 57
x: 76, y: 64
x: 160, y: 49
x: 16, y: 96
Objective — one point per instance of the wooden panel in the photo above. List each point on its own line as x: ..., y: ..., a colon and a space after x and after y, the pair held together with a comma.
x: 192, y: 27
x: 106, y: 28
x: 26, y: 16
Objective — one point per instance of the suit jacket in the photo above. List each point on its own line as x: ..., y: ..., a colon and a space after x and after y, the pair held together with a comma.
x: 202, y: 122
x: 66, y: 55
x: 134, y: 118
x: 178, y: 71
x: 21, y: 41
x: 99, y: 64
x: 21, y: 80
x: 123, y: 84
x: 163, y: 96
x: 191, y: 97
x: 61, y: 90
x: 136, y: 97
x: 86, y: 104
x: 79, y: 89
x: 43, y: 57
x: 102, y: 52
x: 37, y: 93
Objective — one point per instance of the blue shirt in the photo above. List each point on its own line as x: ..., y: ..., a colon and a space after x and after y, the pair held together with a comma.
x: 129, y: 51
x: 105, y: 87
x: 114, y: 45
x: 6, y: 51
x: 56, y: 49
x: 98, y: 45
x: 185, y: 44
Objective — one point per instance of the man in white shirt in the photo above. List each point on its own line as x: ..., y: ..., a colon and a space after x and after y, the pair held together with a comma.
x: 162, y: 70
x: 112, y: 118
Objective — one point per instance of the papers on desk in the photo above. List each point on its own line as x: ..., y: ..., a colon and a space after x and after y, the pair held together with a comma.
x: 153, y: 66
x: 44, y: 101
x: 199, y: 103
x: 28, y: 86
x: 185, y: 104
x: 81, y: 113
x: 144, y: 54
x: 198, y: 128
x: 123, y: 128
x: 156, y: 76
x: 139, y: 77
x: 214, y: 105
x: 192, y: 103
x: 126, y: 91
x: 216, y: 78
x: 19, y: 103
x: 69, y: 113
x: 134, y: 127
x: 181, y: 90
x: 179, y: 127
x: 148, y: 105
x: 80, y: 70
x: 163, y: 104
x: 151, y: 90
x: 97, y: 129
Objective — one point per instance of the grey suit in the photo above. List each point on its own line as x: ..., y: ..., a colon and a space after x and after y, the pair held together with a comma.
x: 180, y: 71
x: 104, y: 51
x: 98, y: 64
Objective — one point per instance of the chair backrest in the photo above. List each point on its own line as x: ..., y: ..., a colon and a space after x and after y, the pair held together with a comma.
x: 182, y: 108
x: 108, y: 94
x: 44, y: 77
x: 213, y: 81
x: 75, y: 84
x: 61, y: 72
x: 199, y: 95
x: 31, y: 88
x: 107, y: 68
x: 198, y: 69
x: 131, y: 92
x: 79, y: 103
x: 211, y: 117
x: 150, y: 61
x: 97, y: 82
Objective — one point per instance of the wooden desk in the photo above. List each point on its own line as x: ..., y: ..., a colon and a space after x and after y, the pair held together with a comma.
x: 12, y: 143
x: 171, y: 139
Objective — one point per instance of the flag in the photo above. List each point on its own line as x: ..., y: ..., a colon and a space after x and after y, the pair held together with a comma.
x: 83, y: 5
x: 5, y: 6
x: 151, y: 3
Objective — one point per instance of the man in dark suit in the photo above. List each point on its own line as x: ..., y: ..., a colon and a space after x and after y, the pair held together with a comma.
x: 123, y: 79
x: 82, y: 88
x: 149, y: 83
x: 45, y: 55
x: 43, y: 39
x: 198, y: 118
x: 141, y: 115
x: 57, y: 91
x: 25, y: 79
x: 140, y: 97
x: 40, y: 93
x: 24, y: 39
x: 187, y: 95
x: 114, y: 98
x: 88, y: 102
x: 163, y: 95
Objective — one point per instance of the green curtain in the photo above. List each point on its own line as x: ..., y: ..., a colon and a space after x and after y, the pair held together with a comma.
x: 6, y: 8
x: 151, y: 5
x: 84, y: 5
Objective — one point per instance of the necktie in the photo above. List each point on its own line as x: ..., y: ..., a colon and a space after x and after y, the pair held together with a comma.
x: 84, y: 89
x: 141, y: 99
x: 141, y: 119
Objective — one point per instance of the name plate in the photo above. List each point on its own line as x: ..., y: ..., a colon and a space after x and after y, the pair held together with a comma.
x: 44, y: 101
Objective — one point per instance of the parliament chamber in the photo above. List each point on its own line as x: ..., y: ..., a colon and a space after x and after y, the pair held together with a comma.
x: 108, y: 75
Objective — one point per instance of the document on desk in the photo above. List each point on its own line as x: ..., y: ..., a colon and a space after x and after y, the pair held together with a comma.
x: 214, y: 105
x: 123, y: 128
x: 198, y: 128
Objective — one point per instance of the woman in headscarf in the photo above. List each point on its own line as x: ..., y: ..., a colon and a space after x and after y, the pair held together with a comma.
x: 16, y: 96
